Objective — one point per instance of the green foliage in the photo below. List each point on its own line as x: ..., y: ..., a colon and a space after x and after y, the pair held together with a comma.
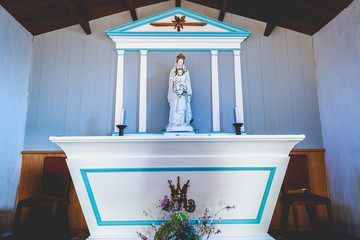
x: 178, y: 228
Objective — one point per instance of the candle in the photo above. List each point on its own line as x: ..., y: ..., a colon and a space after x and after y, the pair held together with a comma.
x: 237, y: 114
x: 122, y: 116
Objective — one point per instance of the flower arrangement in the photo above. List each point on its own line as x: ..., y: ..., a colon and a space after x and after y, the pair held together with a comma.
x: 177, y: 226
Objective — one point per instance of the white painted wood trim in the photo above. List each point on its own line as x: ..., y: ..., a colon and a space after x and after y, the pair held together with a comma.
x: 238, y: 86
x: 176, y: 43
x: 119, y: 101
x: 142, y: 93
x: 215, y: 91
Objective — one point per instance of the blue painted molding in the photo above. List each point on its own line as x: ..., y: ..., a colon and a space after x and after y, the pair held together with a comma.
x: 231, y: 30
x: 180, y: 50
x: 179, y: 34
x: 162, y: 133
x: 101, y: 222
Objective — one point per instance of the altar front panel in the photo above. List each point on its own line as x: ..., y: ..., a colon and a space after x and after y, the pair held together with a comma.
x: 115, y: 187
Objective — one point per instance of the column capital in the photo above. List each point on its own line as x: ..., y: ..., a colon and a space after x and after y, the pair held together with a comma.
x: 237, y: 52
x: 214, y: 52
x: 120, y: 52
x: 143, y: 52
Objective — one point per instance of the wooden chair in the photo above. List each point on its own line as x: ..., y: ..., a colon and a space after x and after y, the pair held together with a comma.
x: 296, y: 191
x: 53, y: 200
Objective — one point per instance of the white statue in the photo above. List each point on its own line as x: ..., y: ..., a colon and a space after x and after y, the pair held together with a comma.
x: 179, y: 97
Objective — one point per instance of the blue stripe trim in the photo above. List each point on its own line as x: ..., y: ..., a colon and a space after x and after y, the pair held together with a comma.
x: 90, y: 193
x: 179, y: 34
x: 172, y: 12
x: 100, y: 222
x: 180, y: 49
x: 162, y: 133
x: 180, y: 132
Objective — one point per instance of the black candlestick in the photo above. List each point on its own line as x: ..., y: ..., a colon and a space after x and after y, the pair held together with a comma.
x: 238, y: 128
x: 121, y: 129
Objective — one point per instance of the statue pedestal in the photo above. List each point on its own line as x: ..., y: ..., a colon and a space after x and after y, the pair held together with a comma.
x: 179, y: 129
x: 117, y: 177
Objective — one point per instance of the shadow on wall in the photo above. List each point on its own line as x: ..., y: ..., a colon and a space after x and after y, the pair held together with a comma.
x: 342, y: 216
x: 6, y: 221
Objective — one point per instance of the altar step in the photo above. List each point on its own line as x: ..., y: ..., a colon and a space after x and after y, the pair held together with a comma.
x: 278, y: 235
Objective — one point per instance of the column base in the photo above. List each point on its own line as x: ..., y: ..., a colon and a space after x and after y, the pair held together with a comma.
x: 179, y: 129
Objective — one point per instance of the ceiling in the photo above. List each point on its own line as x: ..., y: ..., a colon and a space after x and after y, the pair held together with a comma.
x: 305, y: 16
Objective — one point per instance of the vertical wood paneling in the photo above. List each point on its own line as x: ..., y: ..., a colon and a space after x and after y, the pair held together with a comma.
x: 227, y: 93
x: 283, y: 93
x: 255, y: 78
x: 240, y: 22
x: 272, y: 125
x: 198, y: 64
x: 297, y: 82
x: 158, y: 84
x: 33, y: 99
x: 60, y: 85
x: 102, y: 84
x: 131, y: 96
x: 279, y: 84
x: 45, y: 107
x: 310, y: 85
x: 73, y: 97
x: 88, y: 119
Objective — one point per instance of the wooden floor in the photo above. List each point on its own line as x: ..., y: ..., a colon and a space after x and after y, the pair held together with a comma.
x: 309, y: 235
x: 278, y: 235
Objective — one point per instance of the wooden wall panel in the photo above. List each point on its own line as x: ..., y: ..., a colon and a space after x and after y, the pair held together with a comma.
x: 255, y: 80
x: 73, y: 96
x: 46, y: 90
x: 32, y: 164
x: 270, y: 93
x: 30, y: 184
x: 297, y: 87
x: 318, y: 185
x: 281, y: 65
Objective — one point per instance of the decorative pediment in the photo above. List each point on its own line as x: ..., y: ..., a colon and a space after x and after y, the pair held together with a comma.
x: 178, y: 22
x: 182, y: 30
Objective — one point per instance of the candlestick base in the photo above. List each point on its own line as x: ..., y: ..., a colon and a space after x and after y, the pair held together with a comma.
x: 238, y: 128
x: 121, y: 129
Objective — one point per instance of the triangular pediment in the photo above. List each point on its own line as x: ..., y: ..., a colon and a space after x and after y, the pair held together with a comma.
x: 210, y: 28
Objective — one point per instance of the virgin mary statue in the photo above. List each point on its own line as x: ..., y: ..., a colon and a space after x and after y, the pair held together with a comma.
x: 179, y: 97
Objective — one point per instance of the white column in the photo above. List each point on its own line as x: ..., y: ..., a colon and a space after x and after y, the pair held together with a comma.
x: 238, y: 87
x: 215, y: 91
x: 142, y: 93
x: 119, y: 101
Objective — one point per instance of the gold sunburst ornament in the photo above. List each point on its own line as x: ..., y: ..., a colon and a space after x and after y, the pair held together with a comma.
x: 178, y: 23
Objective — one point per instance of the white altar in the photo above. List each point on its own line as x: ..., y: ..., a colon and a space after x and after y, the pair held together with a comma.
x: 116, y: 178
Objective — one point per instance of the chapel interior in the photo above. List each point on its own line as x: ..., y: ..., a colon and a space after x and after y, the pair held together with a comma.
x: 60, y: 65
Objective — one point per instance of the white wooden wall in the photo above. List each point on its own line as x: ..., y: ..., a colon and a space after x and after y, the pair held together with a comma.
x: 337, y: 54
x: 73, y: 81
x: 15, y: 65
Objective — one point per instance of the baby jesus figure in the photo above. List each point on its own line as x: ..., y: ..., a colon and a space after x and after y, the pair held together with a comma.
x: 180, y: 86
